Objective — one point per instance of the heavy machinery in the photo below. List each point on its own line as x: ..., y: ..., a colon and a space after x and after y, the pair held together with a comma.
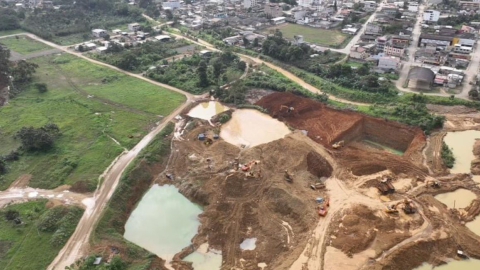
x: 391, y: 209
x: 385, y: 186
x: 432, y: 183
x: 249, y: 165
x: 288, y: 177
x: 289, y: 109
x: 323, y: 207
x: 338, y: 145
x: 317, y: 186
x: 407, y: 207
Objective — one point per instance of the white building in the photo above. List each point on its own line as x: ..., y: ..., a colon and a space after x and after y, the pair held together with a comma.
x: 172, y: 4
x: 134, y: 26
x: 249, y: 3
x: 413, y: 7
x: 99, y: 32
x: 462, y: 49
x: 163, y: 38
x: 278, y: 20
x: 389, y: 63
x: 431, y: 15
x: 305, y: 3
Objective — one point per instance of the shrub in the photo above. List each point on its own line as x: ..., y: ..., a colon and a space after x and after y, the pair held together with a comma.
x: 41, y: 87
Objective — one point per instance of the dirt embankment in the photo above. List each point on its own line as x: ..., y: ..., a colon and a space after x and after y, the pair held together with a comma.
x: 237, y: 206
x: 475, y: 167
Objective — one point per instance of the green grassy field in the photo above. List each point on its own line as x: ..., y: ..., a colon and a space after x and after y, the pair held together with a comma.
x: 310, y: 34
x: 90, y: 104
x: 29, y: 246
x: 23, y: 44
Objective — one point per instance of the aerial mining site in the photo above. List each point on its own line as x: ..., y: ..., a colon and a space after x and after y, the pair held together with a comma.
x: 305, y: 186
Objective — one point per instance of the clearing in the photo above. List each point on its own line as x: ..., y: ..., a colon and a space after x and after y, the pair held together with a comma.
x: 23, y: 45
x: 95, y: 107
x: 310, y: 34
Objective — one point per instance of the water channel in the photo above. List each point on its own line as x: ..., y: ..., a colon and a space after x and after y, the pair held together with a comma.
x: 206, y: 110
x: 250, y: 128
x: 164, y: 222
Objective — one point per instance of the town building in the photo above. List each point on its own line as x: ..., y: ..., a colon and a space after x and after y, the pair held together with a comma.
x: 99, y: 33
x: 388, y: 63
x: 278, y: 20
x: 134, y: 26
x: 431, y: 15
x: 394, y: 49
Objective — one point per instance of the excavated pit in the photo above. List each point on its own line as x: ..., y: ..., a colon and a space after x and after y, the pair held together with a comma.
x: 328, y: 126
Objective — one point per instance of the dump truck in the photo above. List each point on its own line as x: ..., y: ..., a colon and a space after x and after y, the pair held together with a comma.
x: 385, y: 186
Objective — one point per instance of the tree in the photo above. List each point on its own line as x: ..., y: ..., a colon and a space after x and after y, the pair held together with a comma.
x: 41, y: 87
x: 41, y: 139
x: 169, y: 14
x: 23, y: 71
x: 473, y: 94
x: 335, y: 6
x: 3, y: 167
x: 242, y: 65
x: 202, y: 74
x: 245, y: 42
x: 255, y: 42
x: 106, y: 37
x: 11, y: 215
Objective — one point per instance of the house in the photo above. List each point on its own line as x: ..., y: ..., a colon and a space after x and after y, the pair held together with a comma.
x: 413, y: 7
x: 172, y: 4
x: 232, y: 40
x: 134, y: 27
x: 473, y: 5
x: 163, y: 38
x: 99, y: 33
x: 462, y: 49
x: 467, y: 29
x: 465, y: 39
x: 438, y: 40
x: 350, y: 30
x: 272, y: 10
x: 381, y: 42
x: 394, y: 49
x: 249, y: 3
x: 298, y: 39
x: 370, y: 5
x: 206, y: 53
x: 401, y: 39
x: 102, y: 49
x: 431, y: 15
x: 390, y: 10
x: 117, y: 31
x: 358, y: 52
x: 373, y: 29
x: 278, y: 20
x: 388, y: 63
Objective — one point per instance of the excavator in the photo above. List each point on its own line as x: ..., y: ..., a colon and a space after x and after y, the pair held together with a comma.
x: 408, y: 207
x: 338, y: 145
x: 289, y: 109
x: 249, y: 165
x: 432, y: 183
x: 288, y: 177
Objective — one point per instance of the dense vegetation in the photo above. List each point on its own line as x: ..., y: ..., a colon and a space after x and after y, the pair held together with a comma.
x: 31, y: 230
x: 197, y: 74
x: 141, y: 57
x: 298, y: 55
x: 447, y: 156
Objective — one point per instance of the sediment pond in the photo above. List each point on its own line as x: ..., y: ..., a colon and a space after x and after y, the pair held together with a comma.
x: 164, y: 222
x: 250, y: 128
x: 459, y: 198
x: 206, y: 110
x: 461, y: 143
x: 469, y: 264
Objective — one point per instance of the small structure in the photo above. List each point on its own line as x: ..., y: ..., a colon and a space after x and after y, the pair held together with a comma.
x: 421, y: 78
x: 163, y: 38
x: 206, y: 53
x: 278, y: 20
x: 298, y: 39
x: 134, y: 26
x: 99, y: 33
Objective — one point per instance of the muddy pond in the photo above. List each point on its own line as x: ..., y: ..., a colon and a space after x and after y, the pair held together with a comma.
x: 250, y: 128
x: 459, y: 198
x: 461, y: 143
x: 469, y: 264
x: 164, y: 222
x: 206, y: 110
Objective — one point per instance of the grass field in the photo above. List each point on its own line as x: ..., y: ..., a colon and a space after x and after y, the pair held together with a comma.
x: 310, y: 34
x: 28, y: 246
x: 23, y: 44
x: 91, y: 104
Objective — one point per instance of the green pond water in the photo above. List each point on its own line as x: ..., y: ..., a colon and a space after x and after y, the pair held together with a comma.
x: 164, y: 222
x: 383, y: 147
